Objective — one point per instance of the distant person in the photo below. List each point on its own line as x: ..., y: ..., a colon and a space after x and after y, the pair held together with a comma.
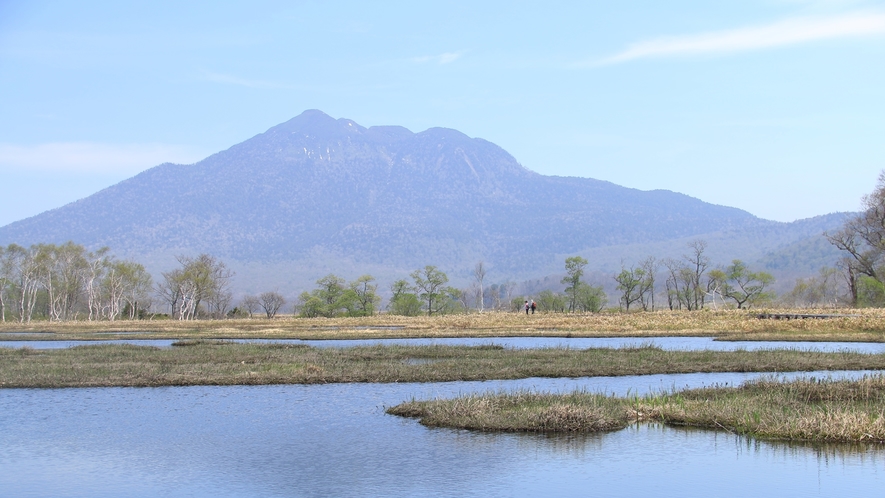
x: 533, y: 306
x: 526, y: 307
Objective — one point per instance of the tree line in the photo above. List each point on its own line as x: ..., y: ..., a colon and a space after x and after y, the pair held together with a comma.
x: 68, y: 282
x: 691, y: 284
x: 857, y: 280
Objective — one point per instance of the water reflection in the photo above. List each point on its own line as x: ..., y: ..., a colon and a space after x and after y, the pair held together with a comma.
x: 336, y: 440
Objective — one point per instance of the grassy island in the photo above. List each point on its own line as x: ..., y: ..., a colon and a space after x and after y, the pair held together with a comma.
x: 802, y: 410
x: 202, y: 362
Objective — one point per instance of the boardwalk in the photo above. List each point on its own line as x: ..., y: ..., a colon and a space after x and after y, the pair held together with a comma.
x: 801, y: 316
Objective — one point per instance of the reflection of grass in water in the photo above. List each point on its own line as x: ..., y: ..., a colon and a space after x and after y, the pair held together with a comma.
x: 807, y: 409
x: 219, y: 362
x: 724, y: 324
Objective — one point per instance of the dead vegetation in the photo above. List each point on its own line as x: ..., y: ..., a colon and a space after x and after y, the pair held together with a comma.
x: 868, y: 326
x: 821, y: 410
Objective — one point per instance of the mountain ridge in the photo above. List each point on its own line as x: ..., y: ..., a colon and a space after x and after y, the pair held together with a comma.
x: 315, y: 186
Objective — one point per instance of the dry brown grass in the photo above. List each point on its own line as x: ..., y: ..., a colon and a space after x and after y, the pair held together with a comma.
x: 724, y: 324
x: 520, y: 412
x: 802, y: 410
x: 807, y: 409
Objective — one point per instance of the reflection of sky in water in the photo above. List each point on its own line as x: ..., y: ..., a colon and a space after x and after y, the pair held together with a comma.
x: 335, y: 440
x: 669, y: 343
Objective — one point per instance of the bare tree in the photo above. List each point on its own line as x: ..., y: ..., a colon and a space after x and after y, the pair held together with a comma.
x: 672, y: 283
x: 5, y: 280
x: 862, y: 238
x: 251, y: 304
x: 24, y: 275
x: 271, y: 302
x: 824, y: 290
x: 647, y: 290
x: 113, y: 289
x: 60, y: 269
x: 479, y: 273
x: 685, y: 278
x: 91, y: 274
x: 169, y: 290
x: 697, y: 263
x: 504, y: 295
x: 465, y: 296
x: 494, y: 295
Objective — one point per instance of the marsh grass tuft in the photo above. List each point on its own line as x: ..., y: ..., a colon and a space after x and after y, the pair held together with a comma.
x: 822, y: 410
x: 805, y: 409
x: 523, y: 411
x: 201, y: 342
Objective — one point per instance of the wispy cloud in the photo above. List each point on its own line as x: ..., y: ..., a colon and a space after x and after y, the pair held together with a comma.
x: 235, y: 80
x: 88, y: 157
x: 440, y: 59
x: 782, y: 33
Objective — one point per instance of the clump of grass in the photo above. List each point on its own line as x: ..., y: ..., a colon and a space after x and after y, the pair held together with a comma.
x: 201, y: 342
x: 806, y: 409
x: 520, y: 412
x: 820, y: 410
x: 282, y: 345
x: 489, y: 347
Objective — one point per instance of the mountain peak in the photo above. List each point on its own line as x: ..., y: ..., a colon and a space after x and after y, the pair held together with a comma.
x: 317, y: 192
x: 318, y: 123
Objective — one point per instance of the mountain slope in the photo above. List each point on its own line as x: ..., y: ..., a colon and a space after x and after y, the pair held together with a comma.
x: 315, y: 192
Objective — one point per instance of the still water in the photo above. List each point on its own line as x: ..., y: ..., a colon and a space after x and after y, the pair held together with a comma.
x: 667, y: 343
x: 336, y: 440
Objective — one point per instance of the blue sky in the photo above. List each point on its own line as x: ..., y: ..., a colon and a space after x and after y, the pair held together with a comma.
x: 773, y: 106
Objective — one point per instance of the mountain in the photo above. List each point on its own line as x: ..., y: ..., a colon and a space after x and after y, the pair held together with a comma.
x: 316, y: 195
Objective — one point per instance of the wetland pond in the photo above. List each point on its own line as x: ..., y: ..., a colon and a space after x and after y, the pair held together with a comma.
x: 336, y: 440
x: 666, y: 343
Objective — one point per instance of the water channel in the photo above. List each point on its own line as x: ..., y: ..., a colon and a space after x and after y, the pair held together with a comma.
x: 336, y: 440
x: 667, y: 343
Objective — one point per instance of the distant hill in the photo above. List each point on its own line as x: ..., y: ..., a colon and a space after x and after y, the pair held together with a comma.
x: 316, y: 195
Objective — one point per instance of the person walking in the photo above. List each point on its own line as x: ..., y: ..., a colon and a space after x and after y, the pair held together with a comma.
x: 526, y: 307
x: 533, y: 306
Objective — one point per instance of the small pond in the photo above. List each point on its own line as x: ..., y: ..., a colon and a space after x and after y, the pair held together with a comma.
x: 336, y: 440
